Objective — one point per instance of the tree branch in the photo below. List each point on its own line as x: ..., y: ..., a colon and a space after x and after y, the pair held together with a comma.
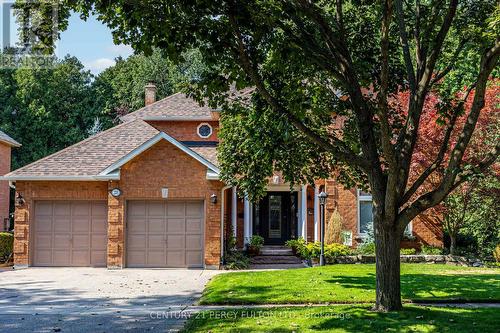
x: 454, y: 176
x: 406, y: 47
x: 442, y: 151
x: 450, y: 66
x: 408, y: 136
x: 364, y: 114
x: 434, y: 197
x: 251, y: 71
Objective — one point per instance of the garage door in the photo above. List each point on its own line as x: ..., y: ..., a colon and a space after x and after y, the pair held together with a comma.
x: 164, y: 234
x: 70, y: 233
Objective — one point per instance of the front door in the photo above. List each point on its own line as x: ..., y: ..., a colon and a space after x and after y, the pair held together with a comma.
x: 275, y: 217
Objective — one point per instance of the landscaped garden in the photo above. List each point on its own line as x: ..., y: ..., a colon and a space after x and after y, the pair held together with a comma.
x: 353, y: 284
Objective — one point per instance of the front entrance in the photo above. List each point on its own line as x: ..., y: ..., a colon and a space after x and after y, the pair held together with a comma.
x: 275, y: 217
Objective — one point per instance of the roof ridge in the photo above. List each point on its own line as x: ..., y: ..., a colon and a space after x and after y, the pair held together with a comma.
x: 93, y: 137
x: 149, y: 105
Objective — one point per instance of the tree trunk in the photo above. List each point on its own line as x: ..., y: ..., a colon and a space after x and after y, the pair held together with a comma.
x: 453, y: 244
x: 387, y: 246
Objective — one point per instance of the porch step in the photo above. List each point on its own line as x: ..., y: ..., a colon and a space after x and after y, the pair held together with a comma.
x: 275, y: 251
x: 274, y: 259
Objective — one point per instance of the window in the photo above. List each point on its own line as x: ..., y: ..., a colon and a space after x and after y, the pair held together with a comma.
x: 365, y: 214
x: 204, y: 130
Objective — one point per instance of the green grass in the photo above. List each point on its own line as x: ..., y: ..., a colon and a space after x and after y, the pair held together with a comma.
x: 352, y: 284
x: 346, y: 319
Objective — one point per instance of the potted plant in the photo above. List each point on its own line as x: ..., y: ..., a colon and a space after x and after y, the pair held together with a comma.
x: 254, y: 245
x: 296, y: 245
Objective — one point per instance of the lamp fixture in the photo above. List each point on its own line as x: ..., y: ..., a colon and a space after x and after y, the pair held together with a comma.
x: 213, y: 199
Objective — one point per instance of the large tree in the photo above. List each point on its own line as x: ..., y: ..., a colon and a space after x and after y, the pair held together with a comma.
x: 313, y: 63
x: 46, y: 109
x: 120, y: 89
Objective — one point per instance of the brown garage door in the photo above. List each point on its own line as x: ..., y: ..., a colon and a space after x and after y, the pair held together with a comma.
x: 165, y: 234
x: 70, y: 233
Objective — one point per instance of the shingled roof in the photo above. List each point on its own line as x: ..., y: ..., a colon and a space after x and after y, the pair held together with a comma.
x: 4, y: 138
x: 176, y: 106
x: 182, y: 107
x: 88, y: 159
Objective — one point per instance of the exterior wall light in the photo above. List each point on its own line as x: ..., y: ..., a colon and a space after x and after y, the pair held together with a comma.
x: 213, y: 199
x: 19, y: 201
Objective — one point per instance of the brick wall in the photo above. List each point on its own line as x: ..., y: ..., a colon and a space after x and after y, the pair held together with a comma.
x: 185, y: 130
x: 5, y: 151
x: 345, y: 201
x: 164, y: 165
x: 32, y: 191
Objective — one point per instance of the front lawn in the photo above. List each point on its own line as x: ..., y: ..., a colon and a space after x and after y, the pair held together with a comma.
x: 346, y: 319
x: 352, y: 284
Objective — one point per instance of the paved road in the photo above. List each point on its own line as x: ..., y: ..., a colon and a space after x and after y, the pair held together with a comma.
x: 98, y: 300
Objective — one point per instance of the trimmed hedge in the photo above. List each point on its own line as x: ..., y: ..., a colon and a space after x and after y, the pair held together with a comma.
x: 6, y: 245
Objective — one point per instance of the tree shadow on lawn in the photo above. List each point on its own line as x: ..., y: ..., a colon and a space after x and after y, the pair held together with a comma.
x: 357, y: 289
x: 411, y: 319
x: 351, y: 319
x: 428, y: 287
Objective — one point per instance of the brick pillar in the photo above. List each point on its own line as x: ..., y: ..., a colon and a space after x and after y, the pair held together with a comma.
x: 116, y: 228
x: 21, y: 229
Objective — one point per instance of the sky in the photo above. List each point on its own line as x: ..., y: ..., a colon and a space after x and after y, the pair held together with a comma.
x: 90, y: 41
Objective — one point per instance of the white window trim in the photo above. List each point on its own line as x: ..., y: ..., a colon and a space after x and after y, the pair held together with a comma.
x: 370, y: 198
x: 359, y: 199
x: 198, y: 130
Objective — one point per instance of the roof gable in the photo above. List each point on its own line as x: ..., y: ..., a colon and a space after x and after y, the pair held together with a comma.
x: 151, y: 142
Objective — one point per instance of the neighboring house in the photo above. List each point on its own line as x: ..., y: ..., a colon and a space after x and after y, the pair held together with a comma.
x: 147, y: 193
x: 6, y: 144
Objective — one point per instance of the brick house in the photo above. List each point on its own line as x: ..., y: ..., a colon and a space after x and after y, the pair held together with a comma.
x: 147, y: 193
x: 6, y: 144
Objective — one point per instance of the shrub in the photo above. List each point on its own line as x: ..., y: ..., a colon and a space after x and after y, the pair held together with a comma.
x: 6, y: 245
x: 431, y: 250
x: 237, y: 260
x: 310, y: 250
x: 336, y: 250
x: 366, y: 248
x: 296, y: 245
x: 256, y: 241
x: 333, y: 228
x: 313, y: 250
x: 254, y: 245
x: 407, y: 252
x: 496, y: 253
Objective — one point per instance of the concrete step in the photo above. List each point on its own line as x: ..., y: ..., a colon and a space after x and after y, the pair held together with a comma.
x: 266, y: 251
x: 275, y: 260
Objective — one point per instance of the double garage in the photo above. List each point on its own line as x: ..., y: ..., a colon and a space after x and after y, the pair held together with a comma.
x: 159, y: 234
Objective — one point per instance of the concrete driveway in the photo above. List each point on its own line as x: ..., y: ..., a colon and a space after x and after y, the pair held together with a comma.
x: 97, y: 299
